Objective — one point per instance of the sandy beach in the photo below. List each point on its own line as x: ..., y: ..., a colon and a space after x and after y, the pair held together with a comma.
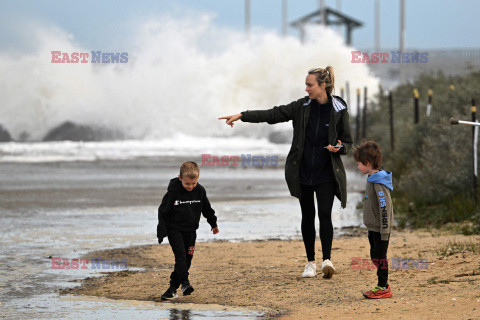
x: 71, y: 209
x: 68, y: 209
x: 437, y: 275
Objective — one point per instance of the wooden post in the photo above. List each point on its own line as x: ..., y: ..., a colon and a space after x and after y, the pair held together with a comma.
x: 415, y: 105
x: 390, y: 110
x: 474, y: 148
x: 347, y: 92
x: 364, y: 116
x: 429, y: 105
x: 357, y: 127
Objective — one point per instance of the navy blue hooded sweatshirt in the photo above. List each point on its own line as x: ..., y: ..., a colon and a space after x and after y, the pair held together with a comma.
x: 316, y: 165
x: 180, y: 209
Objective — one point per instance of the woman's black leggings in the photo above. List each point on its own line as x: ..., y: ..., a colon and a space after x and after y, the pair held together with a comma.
x: 325, y: 194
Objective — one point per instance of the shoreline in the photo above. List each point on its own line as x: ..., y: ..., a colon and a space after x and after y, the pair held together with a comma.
x: 265, y: 276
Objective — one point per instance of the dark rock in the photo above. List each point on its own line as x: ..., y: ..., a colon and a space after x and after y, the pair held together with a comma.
x: 24, y: 136
x: 281, y: 137
x: 4, y: 135
x: 75, y: 132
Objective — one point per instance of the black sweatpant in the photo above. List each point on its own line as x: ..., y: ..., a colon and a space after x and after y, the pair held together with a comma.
x: 378, y: 254
x: 325, y: 194
x: 183, y: 247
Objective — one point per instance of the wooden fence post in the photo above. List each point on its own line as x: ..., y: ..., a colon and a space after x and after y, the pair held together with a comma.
x: 474, y: 148
x: 364, y: 116
x: 429, y: 105
x: 357, y: 127
x: 415, y: 105
x: 390, y: 110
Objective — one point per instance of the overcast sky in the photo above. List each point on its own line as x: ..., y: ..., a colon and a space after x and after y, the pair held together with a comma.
x: 107, y: 24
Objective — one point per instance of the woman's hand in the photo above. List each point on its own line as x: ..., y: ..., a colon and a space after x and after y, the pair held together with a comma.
x: 332, y: 149
x: 231, y: 119
x: 215, y: 230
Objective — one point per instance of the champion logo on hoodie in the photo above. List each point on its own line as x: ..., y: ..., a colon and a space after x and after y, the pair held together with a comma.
x: 178, y: 202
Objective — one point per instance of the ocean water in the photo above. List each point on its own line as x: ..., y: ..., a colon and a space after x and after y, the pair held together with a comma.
x: 182, y: 74
x: 67, y: 198
x: 106, y: 196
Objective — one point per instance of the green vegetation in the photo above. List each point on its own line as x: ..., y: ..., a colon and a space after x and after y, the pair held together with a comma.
x: 454, y: 247
x: 432, y: 161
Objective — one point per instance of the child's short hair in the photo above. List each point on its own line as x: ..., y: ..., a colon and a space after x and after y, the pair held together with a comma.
x: 370, y: 152
x: 190, y: 170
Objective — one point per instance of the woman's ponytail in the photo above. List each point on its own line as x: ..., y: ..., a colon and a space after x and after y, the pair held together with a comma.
x: 325, y: 75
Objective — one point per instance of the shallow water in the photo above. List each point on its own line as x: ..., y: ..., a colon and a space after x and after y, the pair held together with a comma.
x: 50, y: 306
x: 68, y: 209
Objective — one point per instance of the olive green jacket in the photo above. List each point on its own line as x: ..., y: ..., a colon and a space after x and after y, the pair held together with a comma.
x: 377, y: 206
x: 299, y: 112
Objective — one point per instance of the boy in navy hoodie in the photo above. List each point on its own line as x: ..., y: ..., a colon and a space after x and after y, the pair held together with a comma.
x: 178, y: 219
x: 377, y: 212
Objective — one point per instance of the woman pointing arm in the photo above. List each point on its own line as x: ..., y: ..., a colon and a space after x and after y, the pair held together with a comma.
x: 321, y: 133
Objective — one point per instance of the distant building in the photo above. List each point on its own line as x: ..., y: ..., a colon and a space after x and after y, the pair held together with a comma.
x: 329, y: 17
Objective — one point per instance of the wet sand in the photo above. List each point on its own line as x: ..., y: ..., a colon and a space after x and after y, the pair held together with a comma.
x: 67, y: 209
x: 266, y: 276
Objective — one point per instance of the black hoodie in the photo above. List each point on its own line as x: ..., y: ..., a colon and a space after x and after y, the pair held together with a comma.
x: 316, y: 167
x: 180, y: 209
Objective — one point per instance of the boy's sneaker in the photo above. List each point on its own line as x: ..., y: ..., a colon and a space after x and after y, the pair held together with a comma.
x: 327, y: 268
x: 187, y: 289
x: 169, y: 294
x: 378, y: 293
x: 310, y: 270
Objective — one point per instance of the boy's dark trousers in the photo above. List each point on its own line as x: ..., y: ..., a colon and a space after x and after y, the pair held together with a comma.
x: 378, y: 253
x: 183, y: 247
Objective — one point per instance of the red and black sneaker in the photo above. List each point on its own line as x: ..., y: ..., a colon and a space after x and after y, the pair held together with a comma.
x: 378, y: 293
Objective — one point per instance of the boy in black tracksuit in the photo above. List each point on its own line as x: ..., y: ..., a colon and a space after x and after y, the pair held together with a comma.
x: 178, y: 219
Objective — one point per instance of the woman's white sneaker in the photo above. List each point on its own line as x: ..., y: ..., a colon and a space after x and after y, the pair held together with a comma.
x: 310, y: 270
x: 327, y: 268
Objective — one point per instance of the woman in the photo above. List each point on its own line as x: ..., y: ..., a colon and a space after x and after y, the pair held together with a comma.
x: 321, y: 133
